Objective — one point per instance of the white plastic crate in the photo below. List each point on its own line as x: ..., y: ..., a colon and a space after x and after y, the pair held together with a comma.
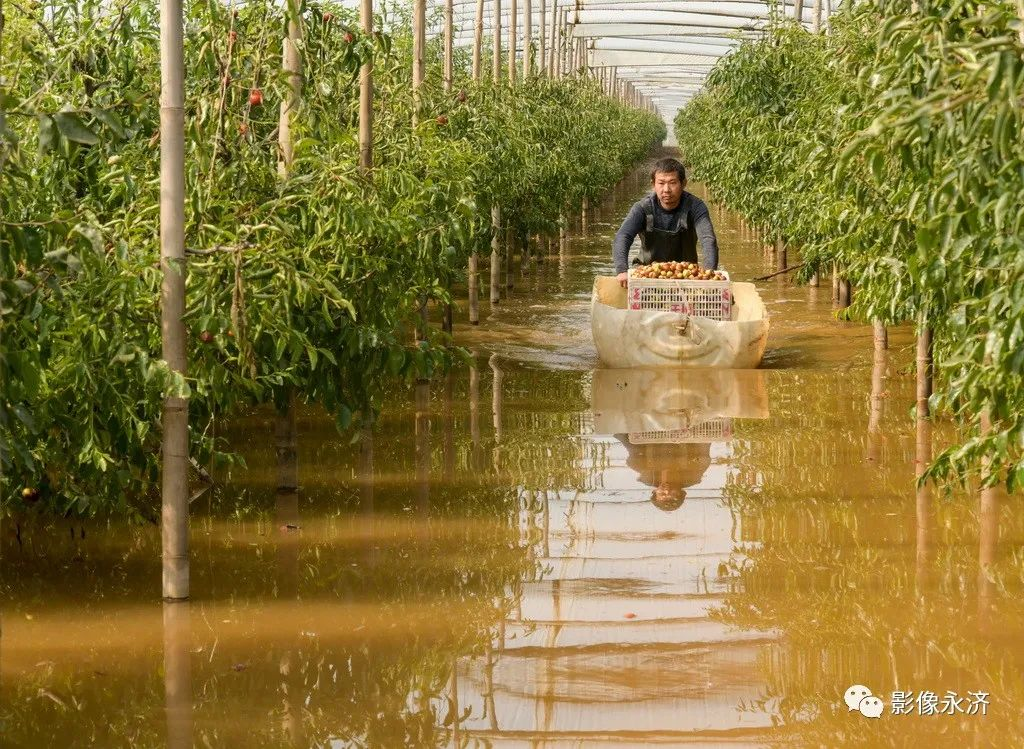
x: 710, y: 299
x: 713, y: 430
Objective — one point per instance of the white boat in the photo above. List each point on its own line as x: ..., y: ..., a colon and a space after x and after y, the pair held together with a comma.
x: 653, y: 338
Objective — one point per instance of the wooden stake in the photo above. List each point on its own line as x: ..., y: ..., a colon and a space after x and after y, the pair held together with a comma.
x: 366, y: 92
x: 175, y: 462
x: 816, y: 17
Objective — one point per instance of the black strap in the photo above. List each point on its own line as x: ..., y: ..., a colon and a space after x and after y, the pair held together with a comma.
x: 649, y: 212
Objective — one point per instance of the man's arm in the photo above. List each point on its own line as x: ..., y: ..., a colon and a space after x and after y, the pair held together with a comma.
x: 633, y: 225
x: 706, y: 235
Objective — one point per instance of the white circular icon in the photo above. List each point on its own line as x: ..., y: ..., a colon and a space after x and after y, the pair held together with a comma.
x: 871, y: 707
x: 855, y: 694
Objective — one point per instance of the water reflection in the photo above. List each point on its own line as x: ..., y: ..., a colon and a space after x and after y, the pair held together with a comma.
x: 178, y: 673
x: 614, y: 637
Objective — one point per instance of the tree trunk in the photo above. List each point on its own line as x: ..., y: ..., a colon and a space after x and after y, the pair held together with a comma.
x: 780, y: 255
x: 175, y: 462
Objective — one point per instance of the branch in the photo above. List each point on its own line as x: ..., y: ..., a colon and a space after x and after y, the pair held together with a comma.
x: 780, y: 272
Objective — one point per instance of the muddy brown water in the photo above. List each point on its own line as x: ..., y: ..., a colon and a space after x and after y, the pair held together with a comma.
x: 547, y: 554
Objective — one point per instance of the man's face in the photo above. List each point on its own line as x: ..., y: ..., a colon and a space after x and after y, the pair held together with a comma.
x: 668, y: 188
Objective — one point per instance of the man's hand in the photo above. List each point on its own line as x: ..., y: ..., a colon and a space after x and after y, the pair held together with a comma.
x: 622, y: 278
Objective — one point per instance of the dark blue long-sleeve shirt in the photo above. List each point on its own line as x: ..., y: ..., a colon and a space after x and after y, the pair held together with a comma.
x: 636, y: 222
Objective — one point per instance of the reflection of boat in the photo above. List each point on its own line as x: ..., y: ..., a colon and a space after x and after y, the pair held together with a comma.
x: 649, y: 338
x: 695, y: 404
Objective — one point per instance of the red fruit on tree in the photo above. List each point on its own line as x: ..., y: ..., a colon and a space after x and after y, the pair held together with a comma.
x: 233, y: 35
x: 243, y: 128
x: 442, y: 120
x: 255, y: 97
x: 461, y: 96
x: 206, y: 336
x: 328, y: 17
x: 348, y: 37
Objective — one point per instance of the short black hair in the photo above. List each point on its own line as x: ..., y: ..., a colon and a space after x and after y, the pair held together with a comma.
x: 669, y: 165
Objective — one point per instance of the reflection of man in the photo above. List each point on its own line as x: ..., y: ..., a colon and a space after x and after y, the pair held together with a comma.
x: 669, y: 221
x: 670, y: 468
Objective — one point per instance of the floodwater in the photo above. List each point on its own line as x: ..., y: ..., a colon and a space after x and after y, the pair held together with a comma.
x: 542, y: 553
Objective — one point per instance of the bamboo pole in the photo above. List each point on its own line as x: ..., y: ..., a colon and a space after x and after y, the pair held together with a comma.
x: 925, y: 368
x: 528, y: 38
x: 496, y: 51
x: 366, y: 92
x: 555, y: 40
x: 513, y: 24
x: 448, y: 33
x: 174, y: 476
x: 542, y: 64
x: 285, y: 441
x: 478, y: 40
x: 816, y: 18
x: 495, y: 255
x: 798, y: 11
x: 419, y: 43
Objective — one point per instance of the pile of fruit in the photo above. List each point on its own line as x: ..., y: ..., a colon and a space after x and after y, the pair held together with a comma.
x: 689, y: 271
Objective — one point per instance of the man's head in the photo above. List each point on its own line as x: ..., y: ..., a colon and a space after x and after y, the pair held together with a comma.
x: 667, y: 497
x: 668, y: 179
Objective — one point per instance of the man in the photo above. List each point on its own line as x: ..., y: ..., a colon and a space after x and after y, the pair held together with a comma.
x: 669, y: 222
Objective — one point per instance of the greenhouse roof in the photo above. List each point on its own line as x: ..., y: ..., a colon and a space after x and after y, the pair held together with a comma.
x: 664, y: 48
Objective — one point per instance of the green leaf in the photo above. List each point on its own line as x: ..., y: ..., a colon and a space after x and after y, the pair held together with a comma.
x: 74, y: 129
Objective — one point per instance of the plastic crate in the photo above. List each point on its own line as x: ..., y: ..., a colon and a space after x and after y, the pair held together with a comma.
x: 710, y: 299
x: 713, y: 430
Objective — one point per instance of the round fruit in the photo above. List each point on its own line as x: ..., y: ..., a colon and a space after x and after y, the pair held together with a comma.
x: 243, y: 128
x: 328, y: 17
x: 442, y: 120
x: 348, y: 37
x: 461, y: 96
x: 255, y: 98
x: 206, y: 336
x: 233, y: 35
